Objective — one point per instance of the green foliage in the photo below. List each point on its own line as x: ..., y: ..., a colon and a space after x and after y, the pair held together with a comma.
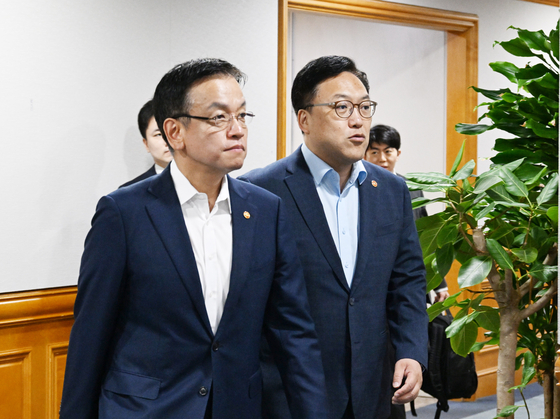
x: 503, y: 223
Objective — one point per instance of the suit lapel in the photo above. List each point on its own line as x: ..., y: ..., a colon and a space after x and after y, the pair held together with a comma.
x: 302, y: 187
x: 244, y: 215
x: 167, y: 217
x: 369, y: 211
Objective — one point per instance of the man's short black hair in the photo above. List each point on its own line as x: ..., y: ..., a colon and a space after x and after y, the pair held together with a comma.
x: 172, y: 93
x: 304, y: 88
x: 384, y: 134
x: 144, y: 116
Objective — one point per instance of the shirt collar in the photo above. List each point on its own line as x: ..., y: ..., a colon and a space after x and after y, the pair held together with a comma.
x: 186, y: 191
x: 319, y: 169
x: 158, y: 168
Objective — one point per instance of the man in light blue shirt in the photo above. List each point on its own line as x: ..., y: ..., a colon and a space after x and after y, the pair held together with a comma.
x: 358, y: 245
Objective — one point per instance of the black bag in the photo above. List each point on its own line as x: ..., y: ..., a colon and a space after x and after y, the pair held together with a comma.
x: 448, y: 375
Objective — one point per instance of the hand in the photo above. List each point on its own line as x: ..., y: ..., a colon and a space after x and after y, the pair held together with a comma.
x: 411, y: 371
x: 441, y: 296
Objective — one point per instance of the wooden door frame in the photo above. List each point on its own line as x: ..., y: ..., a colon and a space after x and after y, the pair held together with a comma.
x: 461, y: 52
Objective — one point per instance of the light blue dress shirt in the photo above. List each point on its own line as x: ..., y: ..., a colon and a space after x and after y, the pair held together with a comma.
x: 342, y: 209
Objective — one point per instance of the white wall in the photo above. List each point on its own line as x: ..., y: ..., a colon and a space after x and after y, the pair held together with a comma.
x: 495, y: 16
x: 73, y: 75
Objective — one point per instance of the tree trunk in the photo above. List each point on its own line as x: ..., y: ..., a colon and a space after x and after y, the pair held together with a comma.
x: 548, y: 392
x: 506, y: 357
x: 556, y: 395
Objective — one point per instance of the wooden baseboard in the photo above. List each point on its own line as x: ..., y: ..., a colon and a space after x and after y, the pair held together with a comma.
x: 34, y: 332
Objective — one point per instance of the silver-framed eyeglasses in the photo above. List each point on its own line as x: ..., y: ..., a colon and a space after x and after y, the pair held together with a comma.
x: 345, y: 108
x: 222, y: 120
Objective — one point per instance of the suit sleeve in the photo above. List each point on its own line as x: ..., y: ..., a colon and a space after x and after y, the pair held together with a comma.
x: 100, y: 287
x: 406, y: 298
x: 290, y: 331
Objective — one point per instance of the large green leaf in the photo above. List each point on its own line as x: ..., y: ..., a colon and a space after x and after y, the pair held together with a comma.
x: 487, y: 210
x: 548, y: 81
x: 532, y: 72
x: 503, y: 230
x: 529, y: 370
x: 458, y: 159
x: 444, y: 259
x: 472, y: 129
x: 512, y: 183
x: 536, y: 40
x: 527, y: 255
x: 448, y: 234
x: 499, y: 193
x: 428, y: 238
x: 420, y: 202
x: 507, y: 411
x: 487, y: 182
x: 465, y: 171
x: 435, y: 310
x: 433, y: 279
x: 552, y: 213
x: 489, y: 320
x: 491, y: 94
x: 458, y: 323
x: 507, y: 69
x: 542, y: 130
x: 517, y: 47
x: 548, y: 102
x: 512, y: 165
x: 499, y: 254
x: 474, y: 271
x: 554, y: 41
x: 463, y: 341
x: 430, y: 178
x: 544, y: 273
x: 429, y: 221
x: 549, y: 191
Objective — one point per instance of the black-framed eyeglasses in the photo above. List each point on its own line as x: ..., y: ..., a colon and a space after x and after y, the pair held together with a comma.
x: 222, y: 121
x: 345, y: 108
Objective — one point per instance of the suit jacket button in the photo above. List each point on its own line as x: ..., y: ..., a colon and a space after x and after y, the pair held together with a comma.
x: 203, y: 391
x: 216, y: 346
x: 351, y: 301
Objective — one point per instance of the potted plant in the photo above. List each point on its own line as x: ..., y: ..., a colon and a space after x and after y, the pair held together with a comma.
x: 502, y: 225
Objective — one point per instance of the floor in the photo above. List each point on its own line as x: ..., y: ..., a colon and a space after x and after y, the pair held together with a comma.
x: 483, y: 408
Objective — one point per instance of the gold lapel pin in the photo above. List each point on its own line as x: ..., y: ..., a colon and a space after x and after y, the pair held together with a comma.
x: 246, y: 215
x: 374, y: 183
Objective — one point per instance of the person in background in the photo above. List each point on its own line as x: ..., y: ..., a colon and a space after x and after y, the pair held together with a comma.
x: 154, y: 143
x: 183, y: 273
x: 358, y: 245
x: 384, y: 150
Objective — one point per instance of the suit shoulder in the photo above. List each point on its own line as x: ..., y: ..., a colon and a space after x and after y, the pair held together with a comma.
x: 274, y: 171
x: 148, y: 173
x: 253, y: 189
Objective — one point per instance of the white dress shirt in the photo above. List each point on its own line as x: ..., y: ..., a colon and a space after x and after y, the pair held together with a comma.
x: 211, y: 240
x: 342, y: 209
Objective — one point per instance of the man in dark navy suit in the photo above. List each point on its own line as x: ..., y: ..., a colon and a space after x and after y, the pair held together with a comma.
x: 358, y: 245
x: 154, y: 143
x: 183, y: 272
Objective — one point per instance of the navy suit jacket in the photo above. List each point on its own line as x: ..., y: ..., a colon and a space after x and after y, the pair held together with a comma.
x: 142, y: 346
x: 388, y: 287
x: 148, y: 173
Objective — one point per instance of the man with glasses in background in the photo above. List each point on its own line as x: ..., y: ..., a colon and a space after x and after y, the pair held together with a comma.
x: 358, y: 245
x: 183, y: 272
